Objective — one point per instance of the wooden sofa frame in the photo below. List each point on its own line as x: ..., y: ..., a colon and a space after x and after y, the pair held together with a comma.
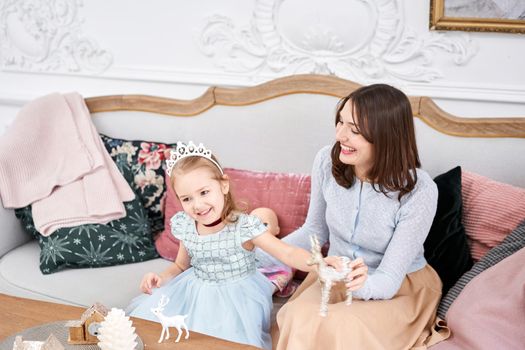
x: 422, y: 107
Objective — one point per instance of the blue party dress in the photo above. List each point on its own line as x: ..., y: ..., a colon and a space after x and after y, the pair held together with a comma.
x: 222, y: 292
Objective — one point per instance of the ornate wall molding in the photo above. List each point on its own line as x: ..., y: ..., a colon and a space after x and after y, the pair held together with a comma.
x: 390, y: 51
x: 46, y: 36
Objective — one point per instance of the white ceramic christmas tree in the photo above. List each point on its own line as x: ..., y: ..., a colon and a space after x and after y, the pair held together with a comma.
x: 116, y: 332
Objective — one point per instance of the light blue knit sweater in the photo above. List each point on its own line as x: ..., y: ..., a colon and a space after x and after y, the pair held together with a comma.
x: 360, y: 222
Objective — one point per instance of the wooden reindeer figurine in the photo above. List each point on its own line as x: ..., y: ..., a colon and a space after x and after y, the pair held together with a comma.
x: 328, y: 275
x: 176, y: 321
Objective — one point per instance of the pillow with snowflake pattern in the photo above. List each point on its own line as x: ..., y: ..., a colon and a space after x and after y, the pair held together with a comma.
x: 121, y: 241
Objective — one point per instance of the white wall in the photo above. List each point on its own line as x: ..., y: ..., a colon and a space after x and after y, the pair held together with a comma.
x: 178, y: 48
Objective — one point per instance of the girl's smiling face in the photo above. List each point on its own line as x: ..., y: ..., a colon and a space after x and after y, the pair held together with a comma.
x: 202, y: 196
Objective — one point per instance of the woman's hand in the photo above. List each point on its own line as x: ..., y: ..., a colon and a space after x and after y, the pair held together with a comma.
x: 335, y: 261
x: 358, y: 275
x: 149, y: 281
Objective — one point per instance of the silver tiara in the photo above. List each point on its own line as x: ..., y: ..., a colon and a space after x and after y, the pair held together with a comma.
x: 183, y: 150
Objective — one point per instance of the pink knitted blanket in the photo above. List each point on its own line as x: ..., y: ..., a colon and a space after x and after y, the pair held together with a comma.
x: 53, y: 158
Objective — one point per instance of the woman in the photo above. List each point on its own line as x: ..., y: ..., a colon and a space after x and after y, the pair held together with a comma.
x: 371, y: 201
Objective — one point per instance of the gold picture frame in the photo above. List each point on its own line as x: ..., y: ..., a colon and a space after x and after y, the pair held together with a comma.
x: 438, y: 21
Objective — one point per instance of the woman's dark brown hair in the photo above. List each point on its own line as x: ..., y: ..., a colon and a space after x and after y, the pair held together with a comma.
x: 383, y: 115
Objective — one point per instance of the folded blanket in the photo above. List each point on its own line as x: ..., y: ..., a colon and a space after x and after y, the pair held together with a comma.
x: 53, y: 158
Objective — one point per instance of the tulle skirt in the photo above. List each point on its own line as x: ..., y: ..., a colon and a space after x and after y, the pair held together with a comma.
x: 237, y: 310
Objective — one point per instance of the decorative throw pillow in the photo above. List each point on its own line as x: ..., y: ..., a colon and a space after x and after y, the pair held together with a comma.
x: 446, y: 247
x: 488, y: 314
x: 514, y: 242
x: 287, y: 194
x: 145, y: 161
x: 491, y: 210
x: 122, y: 241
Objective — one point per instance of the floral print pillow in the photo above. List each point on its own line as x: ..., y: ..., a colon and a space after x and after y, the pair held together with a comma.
x: 142, y: 164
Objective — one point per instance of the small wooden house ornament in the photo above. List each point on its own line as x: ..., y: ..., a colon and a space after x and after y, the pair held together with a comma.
x: 85, y: 330
x: 51, y: 343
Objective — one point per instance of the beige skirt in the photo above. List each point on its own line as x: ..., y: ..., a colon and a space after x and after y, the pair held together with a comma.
x: 407, y: 321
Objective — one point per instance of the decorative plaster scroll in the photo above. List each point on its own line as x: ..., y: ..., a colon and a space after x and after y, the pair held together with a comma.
x: 388, y: 50
x: 46, y: 36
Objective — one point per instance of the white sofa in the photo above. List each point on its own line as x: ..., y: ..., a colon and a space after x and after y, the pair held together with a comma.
x: 277, y: 126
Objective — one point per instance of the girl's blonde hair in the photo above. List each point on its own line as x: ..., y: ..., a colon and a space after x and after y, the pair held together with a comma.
x: 187, y: 164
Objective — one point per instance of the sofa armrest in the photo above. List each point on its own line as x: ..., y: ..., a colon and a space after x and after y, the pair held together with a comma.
x: 12, y: 234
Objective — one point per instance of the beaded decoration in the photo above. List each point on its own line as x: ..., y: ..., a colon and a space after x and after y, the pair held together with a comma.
x: 183, y: 150
x: 328, y: 275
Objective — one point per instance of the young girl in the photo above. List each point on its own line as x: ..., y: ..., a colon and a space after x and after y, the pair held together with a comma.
x: 214, y: 278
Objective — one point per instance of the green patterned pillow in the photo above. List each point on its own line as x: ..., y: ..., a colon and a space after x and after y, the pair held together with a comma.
x: 121, y: 241
x: 142, y: 163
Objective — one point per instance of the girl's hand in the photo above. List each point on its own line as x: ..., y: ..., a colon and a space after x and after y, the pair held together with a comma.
x: 149, y: 281
x: 358, y: 275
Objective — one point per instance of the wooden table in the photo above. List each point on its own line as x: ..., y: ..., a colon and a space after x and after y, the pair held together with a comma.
x: 17, y: 314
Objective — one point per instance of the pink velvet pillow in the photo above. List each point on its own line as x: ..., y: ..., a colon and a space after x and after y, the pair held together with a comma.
x: 491, y: 210
x: 287, y: 194
x: 488, y: 314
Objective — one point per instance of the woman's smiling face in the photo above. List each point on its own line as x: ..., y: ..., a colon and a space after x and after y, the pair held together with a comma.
x: 355, y: 149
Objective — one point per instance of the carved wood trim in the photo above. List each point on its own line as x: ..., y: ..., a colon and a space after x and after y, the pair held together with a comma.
x: 450, y: 124
x: 153, y: 104
x: 423, y: 107
x: 295, y: 84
